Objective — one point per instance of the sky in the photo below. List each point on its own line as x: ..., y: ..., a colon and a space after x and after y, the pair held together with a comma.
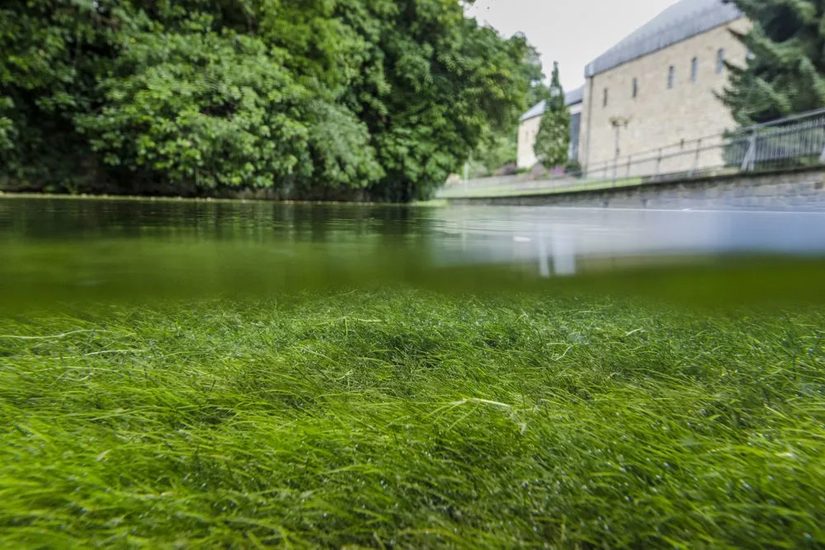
x: 572, y: 32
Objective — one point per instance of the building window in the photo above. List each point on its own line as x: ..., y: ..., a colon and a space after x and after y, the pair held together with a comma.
x: 635, y: 87
x: 605, y: 98
x: 575, y: 131
x: 671, y: 76
x: 694, y: 69
x: 720, y: 61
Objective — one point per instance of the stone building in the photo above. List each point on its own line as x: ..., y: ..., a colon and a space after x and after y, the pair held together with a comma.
x: 529, y: 128
x: 650, y: 99
x: 657, y: 90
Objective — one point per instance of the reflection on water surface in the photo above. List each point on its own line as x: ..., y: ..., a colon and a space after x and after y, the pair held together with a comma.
x: 57, y: 248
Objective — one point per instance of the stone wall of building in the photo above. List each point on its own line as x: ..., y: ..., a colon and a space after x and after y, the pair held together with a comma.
x: 529, y: 129
x: 527, y: 132
x: 659, y: 115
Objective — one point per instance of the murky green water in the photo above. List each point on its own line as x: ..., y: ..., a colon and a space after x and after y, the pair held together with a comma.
x: 83, y: 249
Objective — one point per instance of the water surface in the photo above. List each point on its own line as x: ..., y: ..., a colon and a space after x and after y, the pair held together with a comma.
x: 57, y: 249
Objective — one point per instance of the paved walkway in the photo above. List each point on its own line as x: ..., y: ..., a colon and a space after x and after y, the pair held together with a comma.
x: 510, y: 186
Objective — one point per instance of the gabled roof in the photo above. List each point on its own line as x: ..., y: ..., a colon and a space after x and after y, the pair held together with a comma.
x: 683, y: 20
x: 573, y: 97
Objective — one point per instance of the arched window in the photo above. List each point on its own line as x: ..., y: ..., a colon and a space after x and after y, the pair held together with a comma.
x: 604, y: 100
x: 671, y: 77
x: 635, y: 87
x: 694, y: 69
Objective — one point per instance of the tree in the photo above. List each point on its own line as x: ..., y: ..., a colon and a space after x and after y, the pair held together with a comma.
x: 553, y: 139
x: 496, y: 151
x: 499, y: 148
x: 7, y: 130
x: 197, y: 107
x: 433, y: 85
x: 305, y: 97
x: 785, y: 71
x: 533, y: 73
x: 48, y: 63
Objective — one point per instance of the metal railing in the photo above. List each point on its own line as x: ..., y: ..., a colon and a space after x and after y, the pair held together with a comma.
x: 795, y: 141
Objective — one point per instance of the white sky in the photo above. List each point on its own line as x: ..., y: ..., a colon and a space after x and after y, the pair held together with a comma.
x: 572, y: 32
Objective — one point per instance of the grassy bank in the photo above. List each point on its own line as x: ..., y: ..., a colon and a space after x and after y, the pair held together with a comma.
x: 413, y: 419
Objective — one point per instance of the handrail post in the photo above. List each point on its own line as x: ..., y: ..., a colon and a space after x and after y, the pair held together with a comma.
x: 696, y: 158
x: 764, y: 145
x: 749, y: 162
x: 615, y: 170
x: 658, y: 164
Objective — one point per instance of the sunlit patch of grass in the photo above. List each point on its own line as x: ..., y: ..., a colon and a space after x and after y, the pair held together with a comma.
x: 413, y: 419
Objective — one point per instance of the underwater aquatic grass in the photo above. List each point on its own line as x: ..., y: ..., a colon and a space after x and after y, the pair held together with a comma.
x: 413, y: 419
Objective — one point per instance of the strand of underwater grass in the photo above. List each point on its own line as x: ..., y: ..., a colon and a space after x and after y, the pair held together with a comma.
x: 294, y: 426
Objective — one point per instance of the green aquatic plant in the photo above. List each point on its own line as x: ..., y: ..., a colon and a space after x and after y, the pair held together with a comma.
x: 412, y: 419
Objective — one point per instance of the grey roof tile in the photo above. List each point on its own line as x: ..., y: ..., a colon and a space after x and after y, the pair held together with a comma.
x: 572, y: 97
x: 679, y: 22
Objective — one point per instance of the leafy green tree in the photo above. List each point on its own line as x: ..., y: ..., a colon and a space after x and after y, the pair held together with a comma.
x: 496, y: 151
x: 7, y: 130
x: 785, y: 71
x: 499, y: 148
x: 48, y: 62
x: 305, y: 97
x: 219, y: 110
x: 553, y: 139
x: 533, y: 73
x: 434, y: 85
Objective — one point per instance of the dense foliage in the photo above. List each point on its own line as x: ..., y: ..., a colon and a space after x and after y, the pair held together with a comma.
x: 498, y: 151
x: 785, y: 72
x: 378, y: 98
x: 553, y: 139
x: 408, y: 419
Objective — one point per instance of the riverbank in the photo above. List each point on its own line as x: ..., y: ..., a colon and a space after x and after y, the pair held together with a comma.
x: 413, y: 419
x: 179, y: 199
x: 795, y: 190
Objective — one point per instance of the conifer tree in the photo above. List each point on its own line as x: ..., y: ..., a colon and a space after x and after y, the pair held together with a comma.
x: 553, y: 139
x: 785, y: 70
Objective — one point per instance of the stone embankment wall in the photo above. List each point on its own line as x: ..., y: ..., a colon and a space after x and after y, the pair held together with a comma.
x: 797, y: 190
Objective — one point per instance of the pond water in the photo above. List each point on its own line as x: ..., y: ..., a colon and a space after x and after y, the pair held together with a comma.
x: 54, y: 249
